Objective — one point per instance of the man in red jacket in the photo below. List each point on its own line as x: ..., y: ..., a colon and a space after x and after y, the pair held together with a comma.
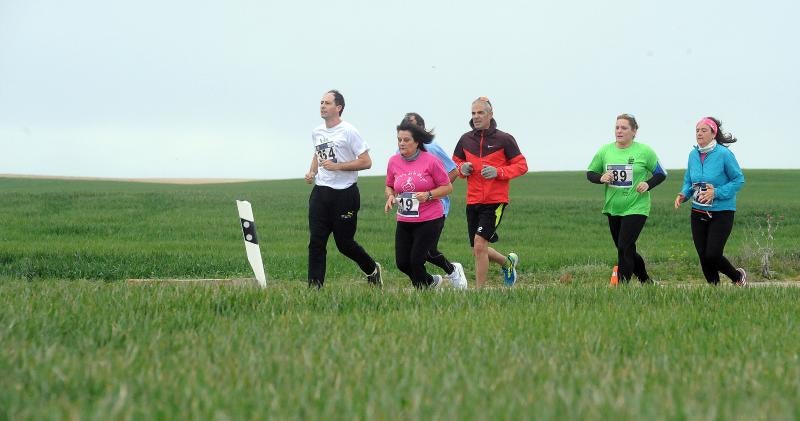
x: 488, y: 158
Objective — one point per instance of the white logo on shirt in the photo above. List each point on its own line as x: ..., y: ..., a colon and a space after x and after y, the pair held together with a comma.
x: 409, y: 185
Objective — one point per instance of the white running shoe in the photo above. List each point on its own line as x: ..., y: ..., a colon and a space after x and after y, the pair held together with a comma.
x: 742, y: 282
x: 437, y: 282
x: 458, y: 279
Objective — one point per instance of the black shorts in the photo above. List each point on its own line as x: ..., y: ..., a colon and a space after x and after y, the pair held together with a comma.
x: 483, y: 220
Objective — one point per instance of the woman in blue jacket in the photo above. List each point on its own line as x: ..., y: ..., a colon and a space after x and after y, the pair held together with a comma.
x: 712, y: 179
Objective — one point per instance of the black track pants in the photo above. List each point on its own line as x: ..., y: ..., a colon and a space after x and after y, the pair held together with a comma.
x: 435, y: 256
x: 710, y: 232
x: 625, y: 231
x: 334, y: 211
x: 412, y: 241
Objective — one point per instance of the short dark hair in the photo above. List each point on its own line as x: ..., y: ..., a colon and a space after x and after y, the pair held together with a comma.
x: 420, y: 135
x: 338, y: 99
x: 418, y: 118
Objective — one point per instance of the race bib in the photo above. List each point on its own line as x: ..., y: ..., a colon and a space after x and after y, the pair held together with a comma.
x: 622, y: 175
x: 408, y: 205
x: 325, y: 152
x: 700, y: 187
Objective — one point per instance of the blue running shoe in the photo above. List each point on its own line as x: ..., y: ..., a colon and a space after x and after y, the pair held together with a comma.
x: 510, y: 269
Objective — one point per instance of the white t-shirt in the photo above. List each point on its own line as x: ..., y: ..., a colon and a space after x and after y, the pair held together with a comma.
x: 341, y: 143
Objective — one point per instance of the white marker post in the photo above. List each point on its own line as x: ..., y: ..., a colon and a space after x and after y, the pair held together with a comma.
x: 248, y: 225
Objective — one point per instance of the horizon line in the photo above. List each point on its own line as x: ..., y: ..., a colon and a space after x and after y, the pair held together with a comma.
x: 226, y: 180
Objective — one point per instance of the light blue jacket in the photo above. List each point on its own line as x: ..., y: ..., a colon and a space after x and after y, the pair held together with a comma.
x: 719, y: 169
x: 449, y: 165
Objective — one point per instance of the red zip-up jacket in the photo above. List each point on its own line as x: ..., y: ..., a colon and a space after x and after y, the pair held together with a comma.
x: 489, y: 147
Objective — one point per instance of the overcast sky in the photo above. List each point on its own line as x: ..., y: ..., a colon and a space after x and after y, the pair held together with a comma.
x: 230, y: 89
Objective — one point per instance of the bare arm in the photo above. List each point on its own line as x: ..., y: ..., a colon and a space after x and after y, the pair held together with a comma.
x: 442, y: 191
x: 312, y: 170
x: 453, y: 175
x: 390, y: 198
x: 436, y: 193
x: 362, y: 162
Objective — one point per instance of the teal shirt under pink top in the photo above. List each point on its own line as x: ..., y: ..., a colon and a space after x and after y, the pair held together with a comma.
x: 420, y: 175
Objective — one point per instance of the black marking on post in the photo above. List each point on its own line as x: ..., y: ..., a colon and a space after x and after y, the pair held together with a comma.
x: 249, y: 231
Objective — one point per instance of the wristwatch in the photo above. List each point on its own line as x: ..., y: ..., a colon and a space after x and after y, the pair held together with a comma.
x: 430, y: 196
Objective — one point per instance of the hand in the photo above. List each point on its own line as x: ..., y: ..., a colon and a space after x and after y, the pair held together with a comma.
x: 642, y: 187
x: 466, y: 169
x: 606, y: 177
x: 679, y: 200
x: 310, y: 177
x: 329, y: 165
x: 489, y: 172
x: 707, y: 195
x: 389, y: 203
x: 422, y: 196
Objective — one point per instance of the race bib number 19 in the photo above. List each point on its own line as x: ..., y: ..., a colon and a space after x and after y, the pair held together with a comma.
x: 622, y: 175
x: 408, y: 205
x: 325, y: 152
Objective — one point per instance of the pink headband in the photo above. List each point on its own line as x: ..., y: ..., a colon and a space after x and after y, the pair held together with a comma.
x: 708, y: 122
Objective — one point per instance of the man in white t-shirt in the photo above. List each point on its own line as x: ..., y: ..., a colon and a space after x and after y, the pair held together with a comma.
x: 339, y: 153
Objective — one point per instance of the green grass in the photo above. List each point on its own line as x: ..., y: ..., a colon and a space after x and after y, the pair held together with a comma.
x: 109, y: 230
x: 76, y: 342
x: 108, y: 350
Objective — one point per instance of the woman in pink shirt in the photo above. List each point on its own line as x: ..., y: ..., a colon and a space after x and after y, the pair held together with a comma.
x: 415, y: 181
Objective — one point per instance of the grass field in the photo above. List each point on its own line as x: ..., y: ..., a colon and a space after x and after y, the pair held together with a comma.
x: 76, y: 341
x: 105, y: 230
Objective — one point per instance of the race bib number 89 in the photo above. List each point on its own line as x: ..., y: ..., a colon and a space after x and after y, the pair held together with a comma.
x: 622, y: 175
x: 408, y: 205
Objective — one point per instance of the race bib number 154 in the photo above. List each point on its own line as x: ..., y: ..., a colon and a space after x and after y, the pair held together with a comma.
x: 325, y: 152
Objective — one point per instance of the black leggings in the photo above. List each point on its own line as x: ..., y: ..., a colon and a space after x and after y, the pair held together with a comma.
x: 625, y: 231
x: 710, y: 232
x: 435, y: 256
x: 334, y: 211
x: 412, y: 241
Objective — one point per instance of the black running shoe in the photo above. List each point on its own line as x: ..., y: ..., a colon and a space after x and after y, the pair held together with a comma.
x: 375, y: 278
